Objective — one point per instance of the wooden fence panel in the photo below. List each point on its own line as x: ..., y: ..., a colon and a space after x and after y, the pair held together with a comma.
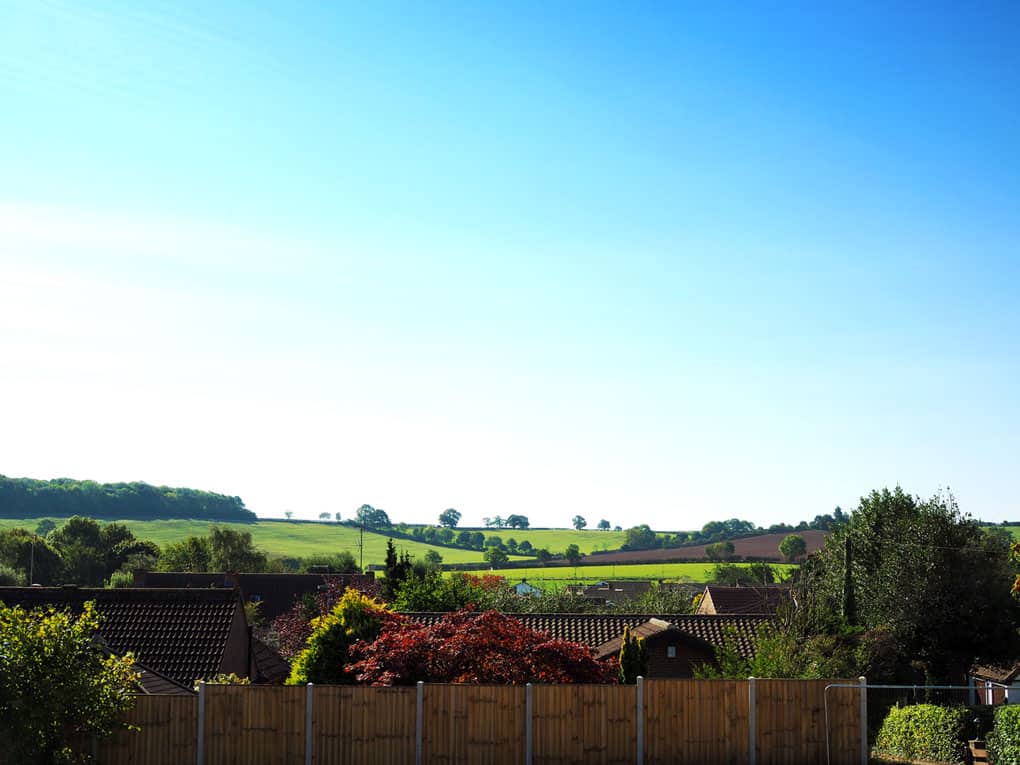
x: 169, y: 728
x: 467, y: 724
x: 254, y: 724
x: 352, y: 725
x: 696, y: 721
x: 792, y: 726
x: 577, y: 724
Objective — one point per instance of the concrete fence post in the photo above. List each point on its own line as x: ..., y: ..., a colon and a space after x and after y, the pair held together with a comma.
x: 308, y: 724
x: 419, y: 716
x: 200, y: 743
x: 752, y: 721
x: 529, y: 706
x: 864, y: 720
x: 640, y: 720
x: 971, y: 691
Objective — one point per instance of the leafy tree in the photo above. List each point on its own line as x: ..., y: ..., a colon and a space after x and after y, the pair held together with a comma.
x: 603, y: 525
x: 337, y: 517
x: 373, y: 518
x: 449, y: 518
x: 525, y: 548
x: 792, y: 547
x: 493, y: 541
x: 23, y: 551
x: 466, y: 647
x: 573, y: 554
x: 496, y: 556
x: 924, y: 572
x: 477, y: 540
x: 192, y: 555
x: 719, y: 550
x: 640, y: 538
x: 511, y: 545
x: 445, y: 536
x: 45, y: 527
x: 234, y: 551
x: 66, y: 497
x: 434, y: 592
x: 543, y: 555
x: 517, y: 521
x: 633, y: 659
x: 342, y: 562
x: 324, y: 516
x: 579, y: 522
x: 733, y: 574
x: 663, y: 599
x: 11, y: 577
x: 56, y: 686
x: 464, y: 539
x: 356, y: 617
x: 398, y: 567
x: 288, y: 514
x: 433, y: 558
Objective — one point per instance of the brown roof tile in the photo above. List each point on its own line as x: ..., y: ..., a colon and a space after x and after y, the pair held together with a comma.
x: 743, y: 600
x: 181, y: 634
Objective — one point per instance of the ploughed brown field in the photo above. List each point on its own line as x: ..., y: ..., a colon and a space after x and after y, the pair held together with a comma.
x: 764, y: 546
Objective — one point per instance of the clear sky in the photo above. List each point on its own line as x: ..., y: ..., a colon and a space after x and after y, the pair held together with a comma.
x: 660, y: 263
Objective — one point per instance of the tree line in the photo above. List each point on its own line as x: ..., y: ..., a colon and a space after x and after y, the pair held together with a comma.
x: 66, y: 497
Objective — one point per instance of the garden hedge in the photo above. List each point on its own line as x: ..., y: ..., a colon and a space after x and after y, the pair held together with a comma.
x: 1004, y: 741
x: 925, y: 732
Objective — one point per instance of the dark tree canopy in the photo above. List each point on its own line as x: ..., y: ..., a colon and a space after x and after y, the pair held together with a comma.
x: 449, y: 518
x: 923, y: 571
x: 373, y: 517
x: 64, y: 497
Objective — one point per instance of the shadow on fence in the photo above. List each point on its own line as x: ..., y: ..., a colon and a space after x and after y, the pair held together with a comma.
x: 762, y: 722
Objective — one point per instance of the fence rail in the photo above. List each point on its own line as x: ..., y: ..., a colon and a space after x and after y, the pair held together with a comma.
x: 766, y: 722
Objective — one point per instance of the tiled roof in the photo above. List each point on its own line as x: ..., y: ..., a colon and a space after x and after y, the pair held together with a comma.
x: 996, y: 673
x: 152, y: 683
x: 597, y: 629
x: 743, y: 600
x: 276, y: 593
x: 182, y: 634
x: 270, y: 667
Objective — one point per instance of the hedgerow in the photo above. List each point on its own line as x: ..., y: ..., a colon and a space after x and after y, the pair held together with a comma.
x: 924, y: 732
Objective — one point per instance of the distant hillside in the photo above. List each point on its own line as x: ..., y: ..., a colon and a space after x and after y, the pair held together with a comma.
x: 64, y: 497
x: 763, y: 546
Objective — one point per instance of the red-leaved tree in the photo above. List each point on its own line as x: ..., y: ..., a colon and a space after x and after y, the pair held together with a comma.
x: 476, y: 648
x: 291, y: 629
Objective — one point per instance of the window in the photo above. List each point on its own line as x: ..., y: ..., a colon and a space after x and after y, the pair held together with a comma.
x: 671, y: 652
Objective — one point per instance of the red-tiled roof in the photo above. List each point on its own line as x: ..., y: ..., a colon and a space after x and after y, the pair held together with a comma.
x: 597, y: 629
x: 181, y: 634
x: 742, y: 600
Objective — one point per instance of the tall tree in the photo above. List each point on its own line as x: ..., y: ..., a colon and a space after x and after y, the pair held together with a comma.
x: 579, y: 522
x: 792, y: 547
x: 603, y: 525
x: 573, y: 554
x: 922, y: 570
x: 373, y: 517
x: 449, y: 518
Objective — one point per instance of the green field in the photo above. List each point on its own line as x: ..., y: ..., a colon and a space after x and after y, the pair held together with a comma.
x: 296, y: 540
x: 285, y: 540
x: 556, y: 540
x: 558, y: 576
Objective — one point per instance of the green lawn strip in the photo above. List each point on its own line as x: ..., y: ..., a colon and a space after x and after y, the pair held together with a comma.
x: 560, y: 576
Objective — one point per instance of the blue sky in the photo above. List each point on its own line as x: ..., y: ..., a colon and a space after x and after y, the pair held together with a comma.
x: 659, y: 263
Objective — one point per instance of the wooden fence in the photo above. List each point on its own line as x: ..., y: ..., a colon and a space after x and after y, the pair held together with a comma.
x: 762, y: 722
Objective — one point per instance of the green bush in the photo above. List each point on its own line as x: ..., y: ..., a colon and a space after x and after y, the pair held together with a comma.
x: 1004, y: 741
x: 924, y: 732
